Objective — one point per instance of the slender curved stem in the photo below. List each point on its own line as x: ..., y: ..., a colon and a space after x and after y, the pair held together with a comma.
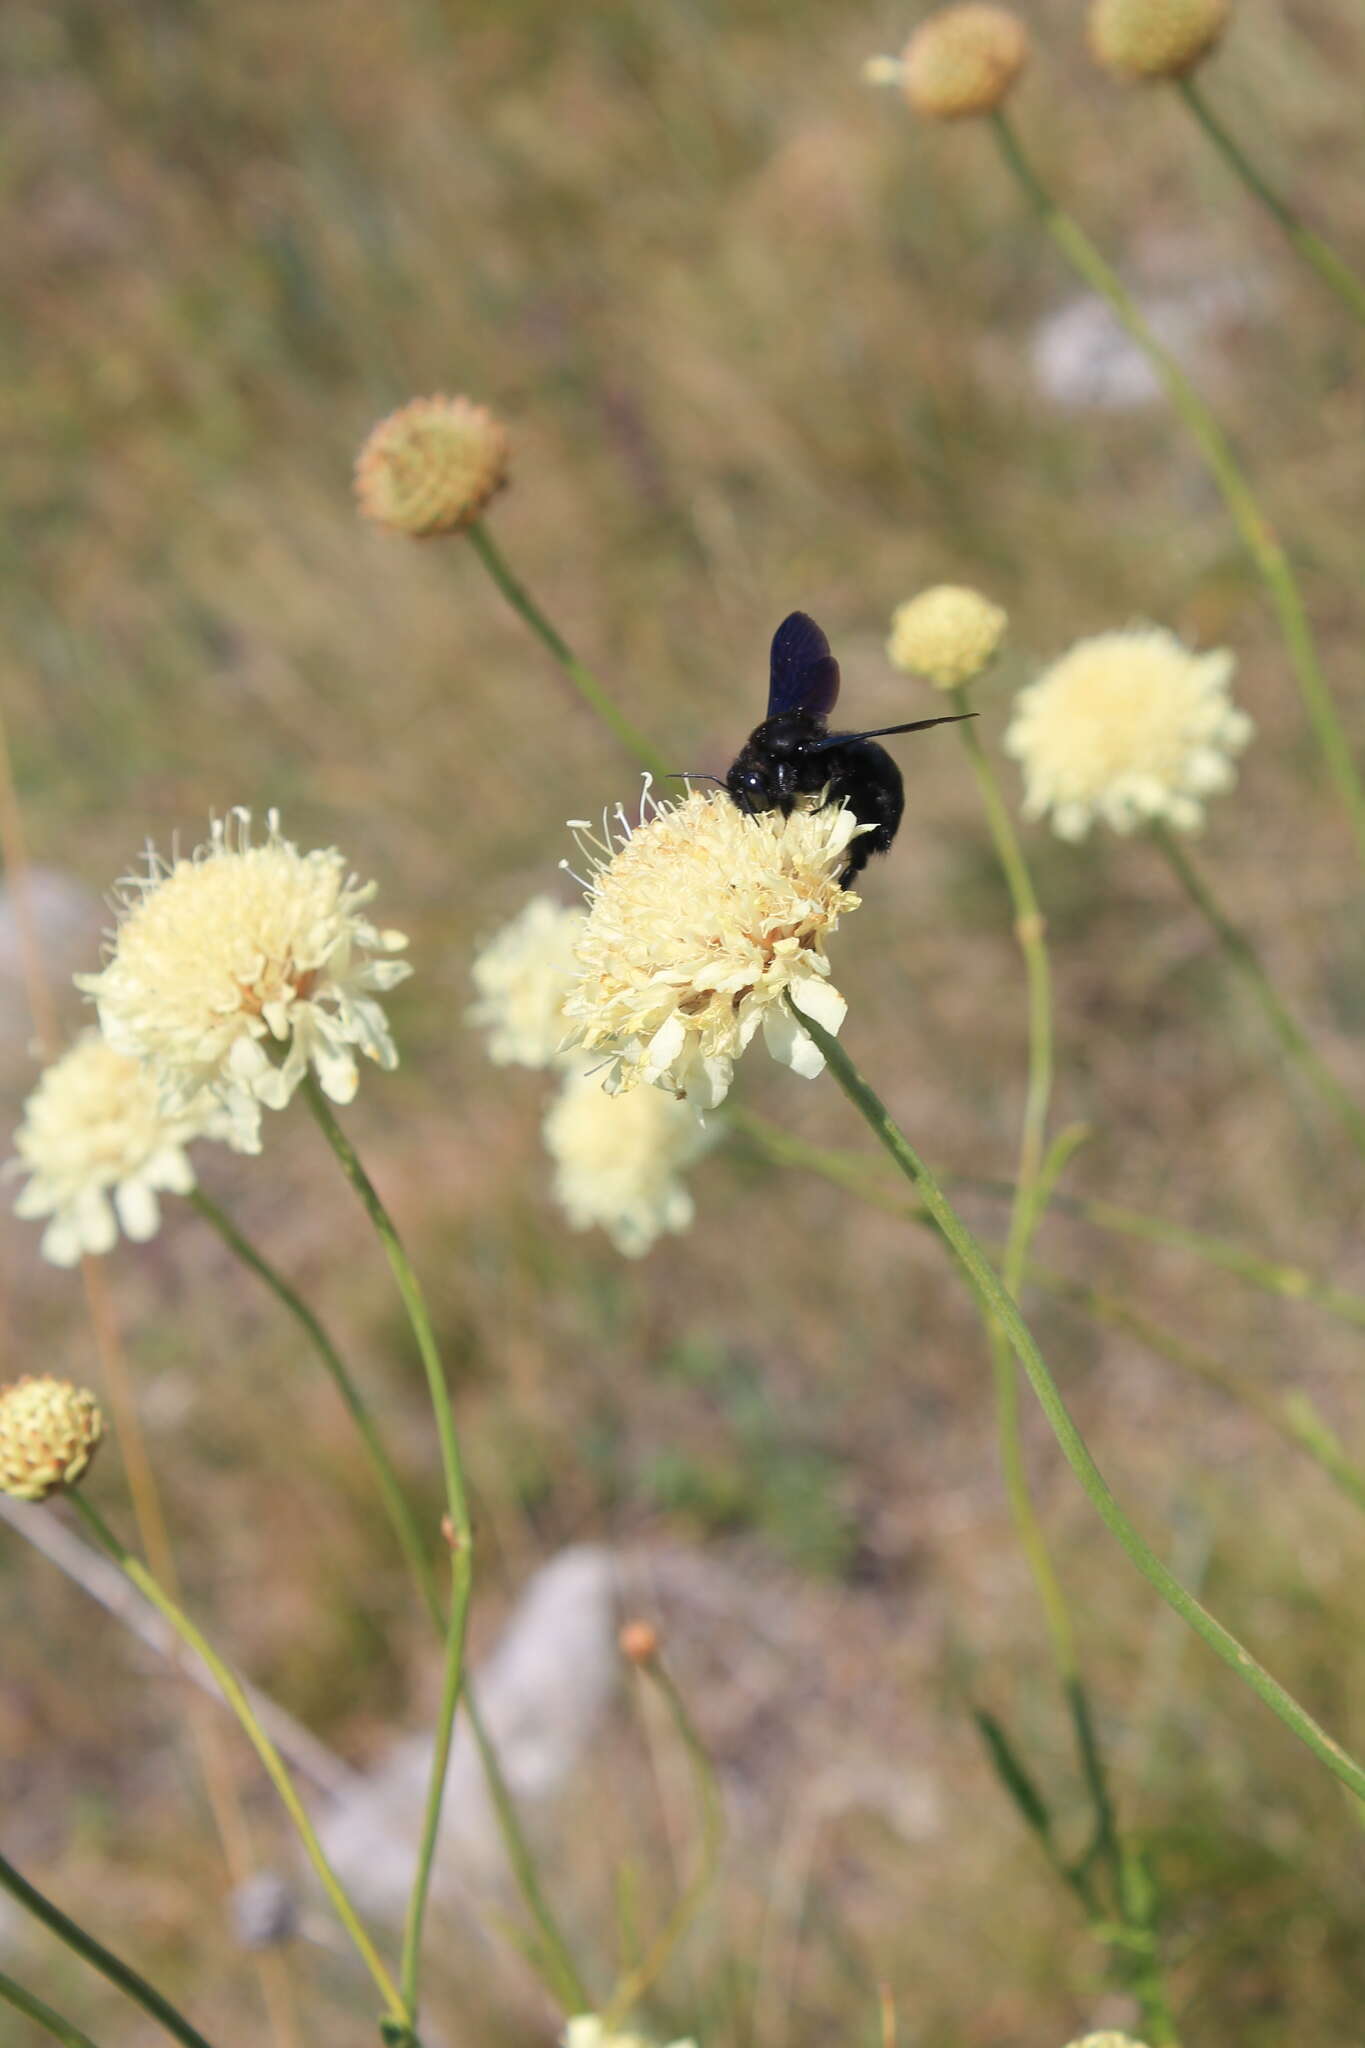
x: 99, y: 1957
x: 386, y: 1478
x: 1268, y: 557
x: 584, y: 681
x: 558, y: 1960
x: 276, y: 1770
x: 1243, y: 955
x: 1334, y: 271
x: 33, y: 2008
x: 636, y: 1983
x: 1025, y: 1211
x: 460, y: 1534
x: 985, y: 1284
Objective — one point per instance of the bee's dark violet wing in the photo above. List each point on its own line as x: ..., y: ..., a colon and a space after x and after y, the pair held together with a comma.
x: 803, y: 675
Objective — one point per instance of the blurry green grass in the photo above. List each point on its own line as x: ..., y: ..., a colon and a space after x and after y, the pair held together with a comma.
x: 762, y: 344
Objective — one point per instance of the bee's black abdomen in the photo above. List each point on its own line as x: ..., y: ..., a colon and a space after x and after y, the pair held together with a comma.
x: 867, y: 779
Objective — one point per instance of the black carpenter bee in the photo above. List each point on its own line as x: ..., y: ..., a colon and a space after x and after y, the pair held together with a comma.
x: 793, y: 753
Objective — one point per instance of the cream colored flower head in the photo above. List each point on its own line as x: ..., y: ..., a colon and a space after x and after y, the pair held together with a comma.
x: 99, y: 1146
x: 701, y: 921
x: 431, y: 467
x: 947, y: 635
x: 588, y: 2032
x: 619, y: 1159
x: 961, y: 61
x: 49, y: 1432
x: 521, y: 978
x: 1155, y: 38
x: 239, y: 968
x: 1105, y: 2041
x: 1129, y: 728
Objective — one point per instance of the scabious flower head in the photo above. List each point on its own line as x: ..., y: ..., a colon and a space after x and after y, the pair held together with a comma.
x: 49, y: 1431
x: 432, y: 466
x: 618, y: 1159
x: 1107, y: 2040
x: 961, y: 61
x: 521, y: 977
x: 98, y: 1146
x: 946, y: 634
x: 1155, y: 38
x: 237, y: 969
x: 587, y: 2031
x: 701, y: 921
x: 1129, y: 727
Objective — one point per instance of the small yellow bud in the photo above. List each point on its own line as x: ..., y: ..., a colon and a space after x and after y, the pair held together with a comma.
x: 1155, y: 38
x: 48, y: 1434
x: 947, y: 634
x: 638, y: 1642
x: 432, y: 466
x: 963, y: 61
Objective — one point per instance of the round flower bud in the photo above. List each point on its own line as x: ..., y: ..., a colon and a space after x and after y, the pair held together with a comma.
x: 638, y: 1642
x: 963, y: 61
x: 947, y: 635
x: 1155, y: 38
x: 432, y: 466
x: 48, y: 1434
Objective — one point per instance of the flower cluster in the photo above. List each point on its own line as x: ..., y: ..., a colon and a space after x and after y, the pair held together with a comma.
x: 947, y: 634
x: 587, y: 2031
x: 1128, y: 727
x: 520, y: 979
x: 99, y: 1146
x: 49, y: 1432
x: 239, y: 968
x: 703, y: 925
x: 431, y: 467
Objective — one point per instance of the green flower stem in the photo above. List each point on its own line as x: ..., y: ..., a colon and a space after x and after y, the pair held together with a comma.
x: 1242, y: 954
x: 1268, y: 557
x: 409, y: 1536
x: 100, y: 1958
x: 1025, y: 1213
x: 28, y: 2003
x: 985, y: 1284
x: 460, y: 1534
x: 637, y: 1981
x: 1334, y: 271
x: 589, y: 689
x: 386, y: 1479
x: 562, y: 1972
x: 276, y: 1770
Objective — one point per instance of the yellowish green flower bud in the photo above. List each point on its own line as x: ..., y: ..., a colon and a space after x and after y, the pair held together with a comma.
x: 963, y: 61
x: 48, y: 1434
x: 947, y: 635
x: 1155, y: 38
x: 432, y: 466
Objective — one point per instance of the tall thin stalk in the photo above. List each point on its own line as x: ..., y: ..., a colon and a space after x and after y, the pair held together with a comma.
x: 985, y: 1285
x: 459, y: 1532
x: 42, y: 2014
x: 99, y: 1957
x: 275, y: 1767
x: 1268, y: 557
x: 1333, y: 269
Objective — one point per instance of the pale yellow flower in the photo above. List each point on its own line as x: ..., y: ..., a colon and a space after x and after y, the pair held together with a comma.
x: 522, y: 976
x: 702, y: 921
x: 618, y: 1159
x: 99, y: 1146
x: 1155, y: 38
x: 588, y: 2032
x: 49, y: 1432
x: 432, y: 466
x: 947, y: 634
x: 1128, y: 727
x: 240, y: 967
x: 961, y: 61
x: 1106, y: 2040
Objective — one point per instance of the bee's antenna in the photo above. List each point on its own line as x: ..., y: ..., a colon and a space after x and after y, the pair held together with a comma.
x: 841, y: 739
x: 697, y: 775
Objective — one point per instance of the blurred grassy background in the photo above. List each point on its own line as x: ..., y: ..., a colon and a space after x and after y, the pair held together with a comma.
x: 763, y: 343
